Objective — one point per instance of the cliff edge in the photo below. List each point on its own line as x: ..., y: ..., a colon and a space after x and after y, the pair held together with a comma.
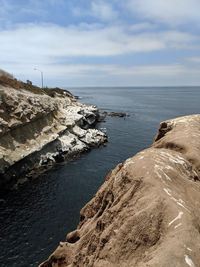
x: 147, y: 212
x: 39, y: 127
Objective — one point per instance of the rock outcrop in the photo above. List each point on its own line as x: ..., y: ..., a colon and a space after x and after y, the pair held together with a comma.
x: 39, y: 127
x: 147, y: 213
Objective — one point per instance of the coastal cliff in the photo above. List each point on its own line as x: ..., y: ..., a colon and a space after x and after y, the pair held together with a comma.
x: 147, y: 212
x: 39, y: 127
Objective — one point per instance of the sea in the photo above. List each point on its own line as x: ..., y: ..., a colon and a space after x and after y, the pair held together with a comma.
x: 38, y: 215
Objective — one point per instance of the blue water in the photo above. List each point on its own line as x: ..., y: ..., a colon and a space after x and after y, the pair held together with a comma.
x: 37, y: 216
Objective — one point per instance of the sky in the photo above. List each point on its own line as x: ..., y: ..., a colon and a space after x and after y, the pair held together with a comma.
x: 101, y: 42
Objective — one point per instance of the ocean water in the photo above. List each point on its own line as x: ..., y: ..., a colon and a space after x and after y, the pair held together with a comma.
x: 38, y: 215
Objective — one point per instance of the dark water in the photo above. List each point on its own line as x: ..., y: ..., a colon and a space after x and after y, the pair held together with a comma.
x: 37, y: 216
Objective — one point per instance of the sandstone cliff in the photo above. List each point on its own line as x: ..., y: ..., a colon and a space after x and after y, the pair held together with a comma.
x: 147, y: 213
x: 39, y: 127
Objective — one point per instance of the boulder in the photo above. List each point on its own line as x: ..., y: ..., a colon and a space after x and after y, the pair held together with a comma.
x: 147, y: 212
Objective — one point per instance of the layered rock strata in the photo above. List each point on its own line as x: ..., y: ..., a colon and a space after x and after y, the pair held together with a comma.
x: 147, y: 212
x: 38, y: 129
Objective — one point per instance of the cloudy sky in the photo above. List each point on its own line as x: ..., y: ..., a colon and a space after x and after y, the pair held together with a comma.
x: 102, y: 42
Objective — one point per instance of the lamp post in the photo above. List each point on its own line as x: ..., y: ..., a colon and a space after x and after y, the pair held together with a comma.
x: 41, y: 72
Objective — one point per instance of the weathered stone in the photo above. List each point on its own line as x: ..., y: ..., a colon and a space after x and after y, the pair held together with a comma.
x: 147, y: 212
x: 40, y: 129
x: 114, y: 114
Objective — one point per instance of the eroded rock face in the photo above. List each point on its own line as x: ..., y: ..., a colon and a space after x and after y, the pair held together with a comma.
x: 147, y: 212
x: 39, y: 129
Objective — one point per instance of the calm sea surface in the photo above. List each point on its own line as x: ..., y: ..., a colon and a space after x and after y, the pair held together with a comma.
x: 38, y: 215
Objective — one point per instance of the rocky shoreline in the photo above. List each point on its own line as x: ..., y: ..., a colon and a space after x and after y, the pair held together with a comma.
x: 147, y: 212
x: 40, y: 127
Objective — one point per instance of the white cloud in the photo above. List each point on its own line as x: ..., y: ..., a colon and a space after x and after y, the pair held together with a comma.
x: 99, y: 9
x: 194, y: 59
x: 45, y: 43
x: 51, y: 48
x: 102, y: 10
x: 116, y: 75
x: 141, y: 27
x: 36, y: 44
x: 100, y: 32
x: 173, y: 12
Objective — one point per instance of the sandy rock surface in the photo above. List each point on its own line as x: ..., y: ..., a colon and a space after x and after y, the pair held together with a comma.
x: 37, y: 129
x: 147, y: 212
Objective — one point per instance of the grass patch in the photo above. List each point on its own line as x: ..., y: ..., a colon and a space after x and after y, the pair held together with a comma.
x: 8, y: 81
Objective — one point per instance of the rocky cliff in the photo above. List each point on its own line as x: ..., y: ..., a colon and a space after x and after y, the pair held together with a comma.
x: 147, y: 213
x: 39, y: 127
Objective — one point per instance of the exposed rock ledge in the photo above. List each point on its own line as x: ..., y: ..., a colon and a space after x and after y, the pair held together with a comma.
x: 147, y: 213
x: 38, y: 127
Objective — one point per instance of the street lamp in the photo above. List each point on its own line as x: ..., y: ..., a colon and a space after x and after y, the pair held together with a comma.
x: 41, y: 72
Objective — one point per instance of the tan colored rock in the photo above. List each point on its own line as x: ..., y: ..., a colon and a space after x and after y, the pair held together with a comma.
x: 38, y: 127
x: 147, y: 212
